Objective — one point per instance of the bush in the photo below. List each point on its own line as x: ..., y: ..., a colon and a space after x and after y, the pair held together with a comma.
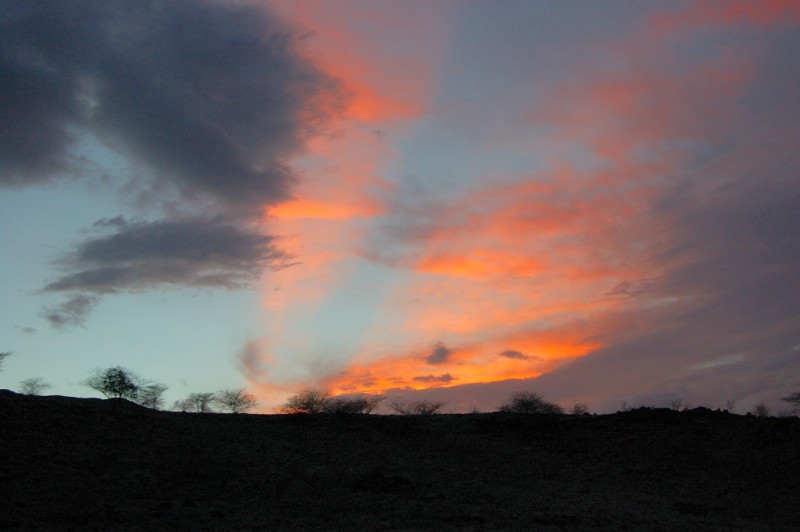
x: 318, y: 401
x: 361, y: 404
x: 34, y: 386
x: 310, y: 401
x: 580, y: 409
x: 417, y: 408
x: 530, y: 403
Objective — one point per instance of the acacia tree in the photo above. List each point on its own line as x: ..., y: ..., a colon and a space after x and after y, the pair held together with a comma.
x: 529, y: 403
x: 152, y: 395
x: 33, y: 386
x: 200, y: 402
x: 116, y: 382
x: 236, y: 401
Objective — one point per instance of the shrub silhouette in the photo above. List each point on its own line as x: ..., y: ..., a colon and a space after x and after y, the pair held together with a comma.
x: 580, y: 409
x: 33, y: 386
x: 310, y: 401
x: 417, y: 408
x: 116, y: 382
x: 361, y: 404
x: 236, y: 401
x: 319, y: 401
x: 761, y: 410
x: 529, y: 403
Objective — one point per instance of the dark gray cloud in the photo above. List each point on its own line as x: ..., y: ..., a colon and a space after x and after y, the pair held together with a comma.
x: 439, y: 355
x: 191, y: 252
x: 206, y: 100
x: 72, y: 312
x: 518, y: 355
x: 445, y: 377
x: 211, y: 96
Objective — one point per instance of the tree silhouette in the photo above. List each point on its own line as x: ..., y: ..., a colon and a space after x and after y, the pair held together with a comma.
x: 761, y: 410
x: 200, y: 402
x: 116, y: 382
x: 236, y: 401
x: 360, y: 404
x: 310, y: 401
x: 318, y: 401
x: 152, y: 395
x: 580, y: 409
x: 33, y: 386
x: 417, y: 408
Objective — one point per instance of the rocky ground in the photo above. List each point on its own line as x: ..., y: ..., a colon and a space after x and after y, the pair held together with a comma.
x: 89, y: 464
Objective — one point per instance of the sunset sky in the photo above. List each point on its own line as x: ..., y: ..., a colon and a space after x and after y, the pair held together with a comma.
x: 449, y: 200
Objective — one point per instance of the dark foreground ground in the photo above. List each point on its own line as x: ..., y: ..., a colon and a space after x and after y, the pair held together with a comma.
x: 87, y: 464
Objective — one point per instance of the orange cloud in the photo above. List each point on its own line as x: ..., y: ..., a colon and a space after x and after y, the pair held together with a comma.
x: 319, y: 210
x: 540, y: 352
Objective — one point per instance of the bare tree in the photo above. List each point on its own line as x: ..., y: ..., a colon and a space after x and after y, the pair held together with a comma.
x: 152, y: 395
x: 236, y: 401
x: 417, y: 408
x: 3, y: 357
x: 33, y: 386
x: 529, y: 403
x: 116, y: 382
x: 200, y: 402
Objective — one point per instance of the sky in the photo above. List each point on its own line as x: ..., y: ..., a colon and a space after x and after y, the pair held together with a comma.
x: 450, y: 200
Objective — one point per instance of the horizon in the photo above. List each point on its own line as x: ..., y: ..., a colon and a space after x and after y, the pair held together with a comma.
x: 447, y: 201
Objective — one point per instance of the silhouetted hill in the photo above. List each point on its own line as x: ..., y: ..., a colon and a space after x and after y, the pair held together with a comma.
x: 90, y: 464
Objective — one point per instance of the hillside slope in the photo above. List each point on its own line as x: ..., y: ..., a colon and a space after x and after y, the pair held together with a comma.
x: 88, y: 464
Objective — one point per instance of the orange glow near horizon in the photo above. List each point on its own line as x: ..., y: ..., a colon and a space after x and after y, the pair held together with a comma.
x: 463, y: 366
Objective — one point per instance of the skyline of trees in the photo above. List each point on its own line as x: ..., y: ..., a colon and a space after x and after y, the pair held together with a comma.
x: 119, y: 382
